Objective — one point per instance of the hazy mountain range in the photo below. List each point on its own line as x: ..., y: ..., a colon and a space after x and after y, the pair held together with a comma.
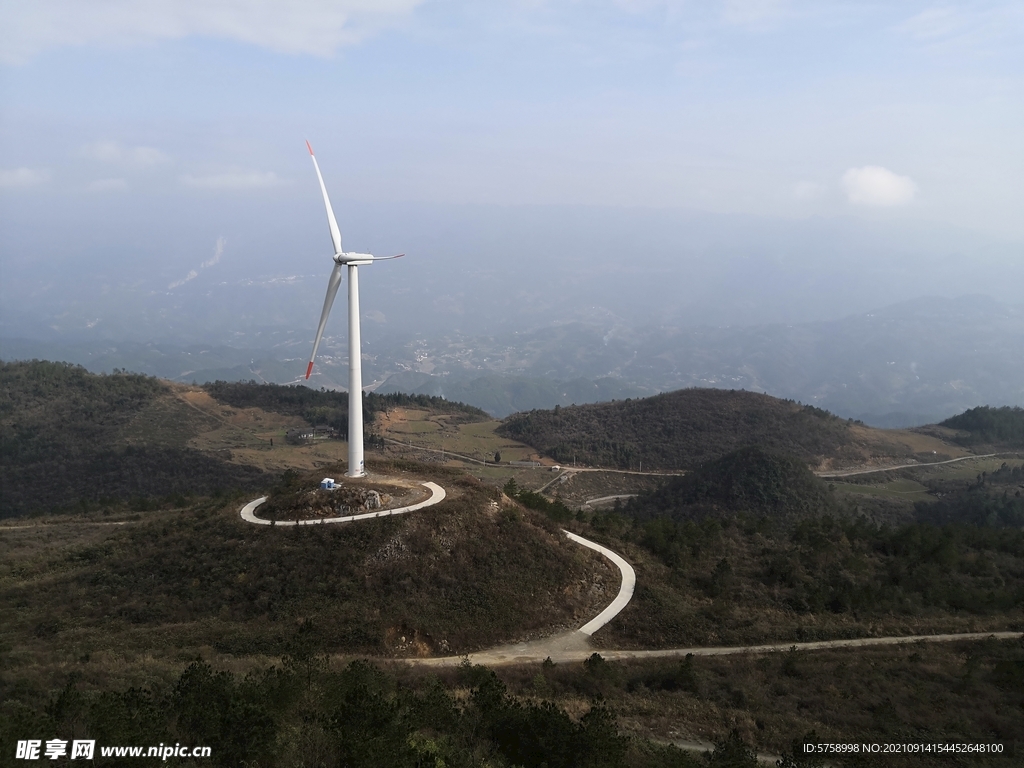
x: 518, y: 307
x: 909, y: 363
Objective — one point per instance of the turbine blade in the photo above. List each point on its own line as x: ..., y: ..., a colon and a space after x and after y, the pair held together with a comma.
x: 333, y: 222
x: 385, y: 258
x: 332, y: 291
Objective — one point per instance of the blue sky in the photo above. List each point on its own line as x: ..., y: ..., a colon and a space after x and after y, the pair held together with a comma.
x: 749, y: 106
x: 150, y: 130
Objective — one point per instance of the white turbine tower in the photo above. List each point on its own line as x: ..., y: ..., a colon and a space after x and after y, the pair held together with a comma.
x: 355, y: 368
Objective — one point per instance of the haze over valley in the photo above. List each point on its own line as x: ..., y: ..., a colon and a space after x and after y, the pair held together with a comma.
x: 891, y: 322
x: 704, y: 200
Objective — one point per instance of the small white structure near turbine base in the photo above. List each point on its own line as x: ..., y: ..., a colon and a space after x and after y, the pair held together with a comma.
x: 352, y: 261
x: 328, y: 484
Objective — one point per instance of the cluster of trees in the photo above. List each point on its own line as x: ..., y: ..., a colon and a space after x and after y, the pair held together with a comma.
x: 58, y: 408
x: 302, y: 712
x: 679, y: 429
x: 554, y: 509
x: 990, y: 426
x: 359, y: 716
x: 62, y: 443
x: 976, y: 507
x: 827, y: 565
x: 748, y: 480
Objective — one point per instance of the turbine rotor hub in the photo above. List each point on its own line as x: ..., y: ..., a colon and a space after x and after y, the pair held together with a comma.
x: 352, y: 258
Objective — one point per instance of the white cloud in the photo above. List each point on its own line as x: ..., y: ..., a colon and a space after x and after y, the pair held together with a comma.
x: 315, y: 27
x: 218, y: 251
x: 108, y: 185
x: 874, y: 185
x: 23, y: 177
x: 136, y: 157
x: 234, y: 180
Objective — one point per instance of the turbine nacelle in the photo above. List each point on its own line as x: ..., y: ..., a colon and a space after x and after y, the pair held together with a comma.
x: 356, y: 259
x: 353, y: 259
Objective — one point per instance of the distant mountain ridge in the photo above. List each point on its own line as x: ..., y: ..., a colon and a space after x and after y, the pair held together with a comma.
x: 501, y: 395
x: 912, y: 363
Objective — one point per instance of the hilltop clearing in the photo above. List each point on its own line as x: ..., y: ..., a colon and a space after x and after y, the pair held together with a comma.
x: 680, y: 430
x: 330, y: 407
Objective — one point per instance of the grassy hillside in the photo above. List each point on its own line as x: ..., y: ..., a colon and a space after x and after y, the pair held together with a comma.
x: 681, y: 429
x: 69, y: 438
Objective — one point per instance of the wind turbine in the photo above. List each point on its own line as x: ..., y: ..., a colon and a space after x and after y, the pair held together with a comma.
x: 355, y: 369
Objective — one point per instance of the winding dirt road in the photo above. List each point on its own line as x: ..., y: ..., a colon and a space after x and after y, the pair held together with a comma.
x: 575, y: 646
x: 851, y: 472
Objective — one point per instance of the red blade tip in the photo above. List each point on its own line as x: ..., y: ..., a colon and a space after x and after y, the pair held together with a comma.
x: 309, y: 148
x: 309, y: 370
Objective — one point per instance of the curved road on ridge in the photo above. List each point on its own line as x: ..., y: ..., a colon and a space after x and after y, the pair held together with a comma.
x: 575, y: 645
x: 437, y: 494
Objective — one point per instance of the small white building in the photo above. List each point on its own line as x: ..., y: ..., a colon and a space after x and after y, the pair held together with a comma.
x: 328, y: 484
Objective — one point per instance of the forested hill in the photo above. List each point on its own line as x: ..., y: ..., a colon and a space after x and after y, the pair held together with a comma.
x: 66, y: 439
x: 748, y: 480
x: 682, y: 429
x: 989, y: 426
x: 70, y: 438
